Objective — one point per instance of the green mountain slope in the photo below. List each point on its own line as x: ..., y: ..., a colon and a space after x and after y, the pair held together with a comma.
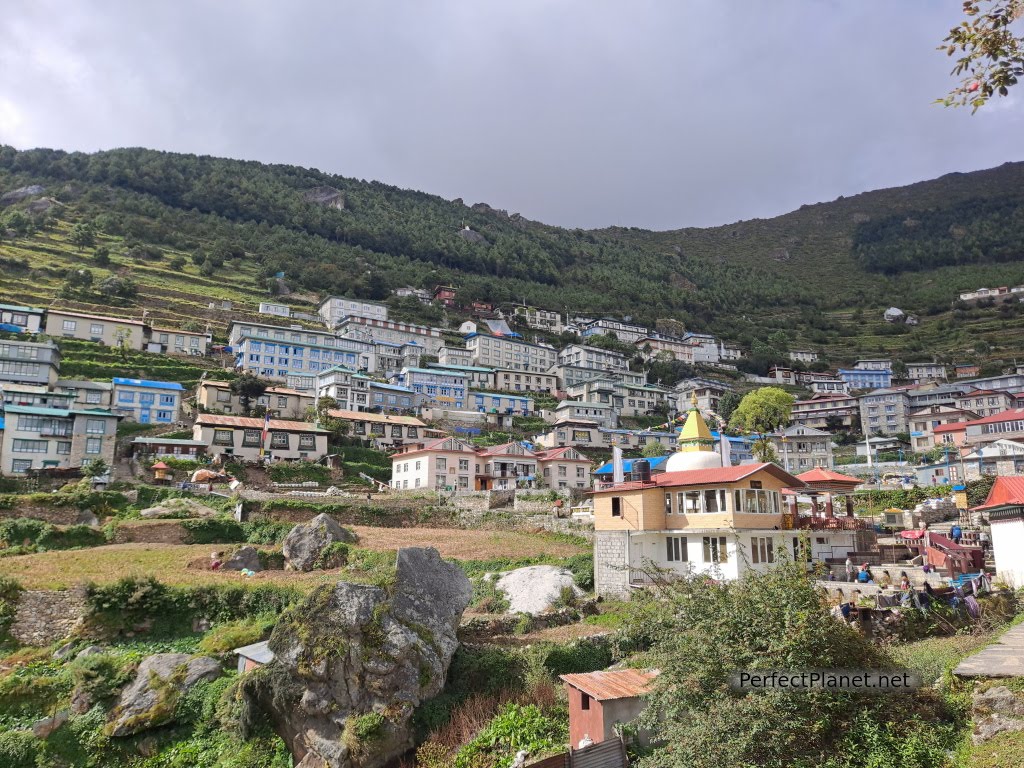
x: 823, y: 273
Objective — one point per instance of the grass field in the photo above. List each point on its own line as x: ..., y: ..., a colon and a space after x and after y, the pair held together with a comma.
x: 169, y: 562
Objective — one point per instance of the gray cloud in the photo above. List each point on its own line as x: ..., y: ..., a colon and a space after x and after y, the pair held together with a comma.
x: 574, y: 112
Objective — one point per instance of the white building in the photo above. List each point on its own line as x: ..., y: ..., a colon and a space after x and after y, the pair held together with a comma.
x: 1004, y: 508
x: 370, y: 329
x: 279, y: 310
x: 148, y: 402
x: 334, y: 309
x: 594, y: 358
x: 623, y: 331
x: 803, y: 355
x: 54, y: 438
x: 539, y: 319
x: 28, y: 319
x: 511, y: 353
x: 237, y: 437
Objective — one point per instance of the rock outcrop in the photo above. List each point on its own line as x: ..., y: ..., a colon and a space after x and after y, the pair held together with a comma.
x: 537, y: 588
x: 243, y: 558
x: 178, y: 507
x: 304, y: 543
x: 19, y: 194
x: 353, y: 661
x: 149, y: 700
x: 329, y: 197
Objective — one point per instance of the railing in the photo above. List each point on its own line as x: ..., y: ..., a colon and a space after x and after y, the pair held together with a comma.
x: 806, y: 523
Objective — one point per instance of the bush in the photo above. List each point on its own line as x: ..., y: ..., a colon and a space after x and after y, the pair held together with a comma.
x: 580, y: 656
x: 100, y: 675
x: 514, y: 728
x: 213, y: 530
x: 582, y: 567
x: 18, y: 749
x: 10, y: 589
x: 334, y: 555
x: 234, y: 634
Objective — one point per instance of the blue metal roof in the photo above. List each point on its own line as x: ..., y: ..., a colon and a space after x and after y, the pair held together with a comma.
x: 627, y: 465
x: 148, y: 384
x: 394, y: 387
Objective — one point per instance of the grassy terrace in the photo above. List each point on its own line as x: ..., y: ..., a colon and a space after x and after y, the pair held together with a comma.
x: 170, y: 563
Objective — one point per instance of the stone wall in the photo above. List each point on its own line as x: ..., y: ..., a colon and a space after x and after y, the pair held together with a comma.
x: 611, y: 558
x: 54, y: 515
x: 43, y: 617
x: 512, y: 521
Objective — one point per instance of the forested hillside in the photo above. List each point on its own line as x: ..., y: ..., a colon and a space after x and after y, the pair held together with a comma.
x: 823, y: 273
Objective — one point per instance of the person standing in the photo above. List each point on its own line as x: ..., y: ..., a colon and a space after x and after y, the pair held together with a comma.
x: 849, y: 568
x: 956, y: 533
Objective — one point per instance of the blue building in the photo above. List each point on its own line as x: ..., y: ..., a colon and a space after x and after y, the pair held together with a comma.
x: 492, y: 402
x: 438, y: 387
x: 148, y: 402
x: 863, y: 378
x: 295, y: 355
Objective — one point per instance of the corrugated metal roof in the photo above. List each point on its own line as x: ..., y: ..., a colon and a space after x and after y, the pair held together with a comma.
x: 215, y: 420
x: 613, y: 684
x: 1011, y: 414
x: 822, y: 475
x: 148, y: 384
x: 378, y: 418
x: 165, y: 441
x: 1006, y: 491
x: 258, y: 652
x: 708, y: 477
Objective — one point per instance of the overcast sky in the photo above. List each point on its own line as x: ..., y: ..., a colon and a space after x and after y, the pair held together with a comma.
x: 573, y: 112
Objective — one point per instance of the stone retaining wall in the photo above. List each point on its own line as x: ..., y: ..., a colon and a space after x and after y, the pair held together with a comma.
x: 514, y: 521
x: 54, y: 515
x: 43, y: 617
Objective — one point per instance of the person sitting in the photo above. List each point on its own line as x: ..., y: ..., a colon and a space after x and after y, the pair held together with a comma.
x: 886, y: 580
x: 904, y: 582
x: 215, y: 561
x: 956, y: 533
x: 864, y: 575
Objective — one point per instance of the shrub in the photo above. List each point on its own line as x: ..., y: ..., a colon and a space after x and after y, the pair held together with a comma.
x: 10, y: 589
x: 334, y: 555
x: 100, y: 675
x: 213, y: 530
x: 514, y: 728
x: 265, y: 531
x: 18, y: 749
x: 580, y: 656
x: 234, y: 634
x: 582, y: 567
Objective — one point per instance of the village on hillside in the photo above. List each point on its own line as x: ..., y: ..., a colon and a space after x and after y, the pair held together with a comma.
x: 896, y: 485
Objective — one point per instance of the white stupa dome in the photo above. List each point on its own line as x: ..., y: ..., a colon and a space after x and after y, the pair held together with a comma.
x: 681, y: 461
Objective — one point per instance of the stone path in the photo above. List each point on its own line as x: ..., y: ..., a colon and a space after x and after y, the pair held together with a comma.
x: 1004, y: 658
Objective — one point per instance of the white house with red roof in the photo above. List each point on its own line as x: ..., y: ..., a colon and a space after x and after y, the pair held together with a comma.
x: 451, y: 463
x: 237, y: 437
x: 1005, y: 425
x: 1004, y: 509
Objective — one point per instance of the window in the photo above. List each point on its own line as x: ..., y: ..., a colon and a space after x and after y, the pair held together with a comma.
x: 307, y: 442
x: 167, y: 399
x: 668, y: 503
x: 584, y: 700
x: 93, y: 445
x: 223, y: 396
x: 31, y: 446
x: 21, y: 465
x: 761, y: 548
x: 616, y: 506
x: 223, y: 437
x: 95, y: 329
x: 279, y: 440
x: 714, y: 501
x: 69, y: 326
x: 126, y: 397
x: 95, y: 427
x: 63, y: 449
x: 715, y: 549
x: 93, y: 398
x: 675, y: 548
x: 412, y: 432
x: 441, y: 463
x: 417, y: 466
x: 463, y: 465
x: 251, y: 438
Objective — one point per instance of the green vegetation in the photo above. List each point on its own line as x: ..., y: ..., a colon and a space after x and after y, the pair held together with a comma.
x: 699, y: 633
x: 22, y: 535
x: 177, y: 236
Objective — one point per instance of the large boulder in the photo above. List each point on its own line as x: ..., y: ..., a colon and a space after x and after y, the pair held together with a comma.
x: 304, y: 543
x: 242, y: 558
x: 19, y: 194
x: 537, y: 588
x: 179, y: 508
x: 353, y: 661
x: 149, y: 700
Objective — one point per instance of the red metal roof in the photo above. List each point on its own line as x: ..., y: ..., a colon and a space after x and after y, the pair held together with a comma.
x: 822, y: 475
x: 615, y: 684
x: 1013, y: 414
x: 1006, y: 491
x: 956, y: 426
x: 557, y: 453
x: 708, y: 477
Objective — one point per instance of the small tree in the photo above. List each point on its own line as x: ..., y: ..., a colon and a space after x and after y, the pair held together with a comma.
x: 95, y: 468
x: 82, y: 236
x: 727, y: 404
x: 652, y: 450
x: 763, y: 410
x: 900, y: 370
x: 101, y: 258
x: 248, y: 387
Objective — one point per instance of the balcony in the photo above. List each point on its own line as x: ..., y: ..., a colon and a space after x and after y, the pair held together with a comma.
x: 807, y: 523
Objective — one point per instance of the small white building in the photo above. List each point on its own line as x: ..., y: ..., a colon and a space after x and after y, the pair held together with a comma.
x: 236, y: 437
x: 1004, y: 508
